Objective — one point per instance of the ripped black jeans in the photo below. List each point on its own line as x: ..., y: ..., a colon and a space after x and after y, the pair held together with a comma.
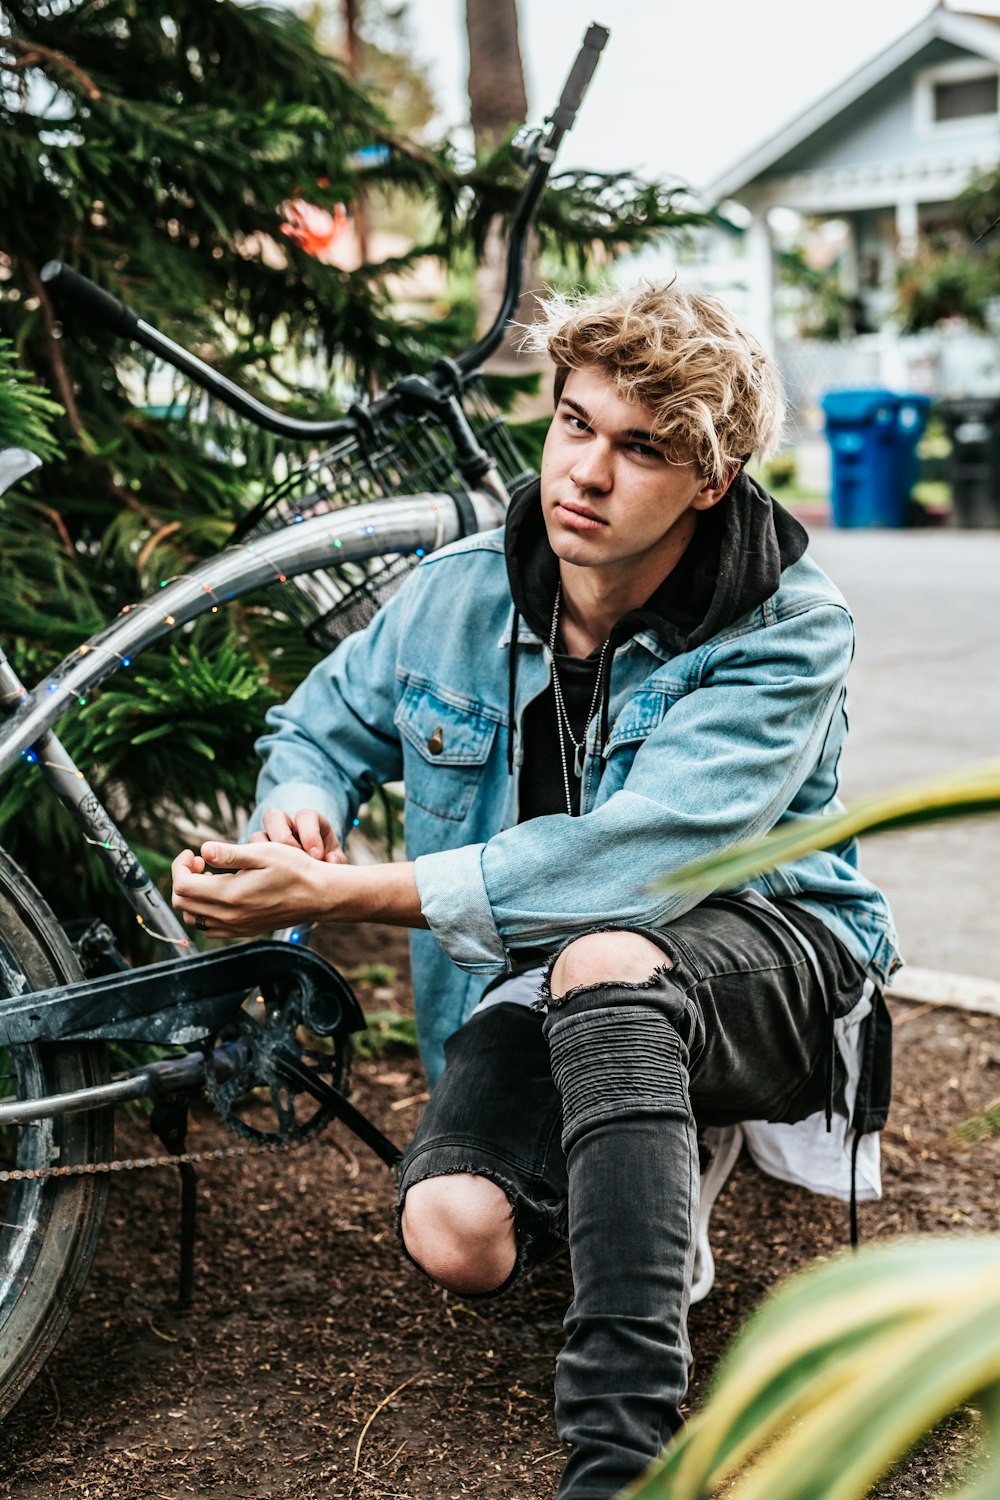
x: 585, y: 1117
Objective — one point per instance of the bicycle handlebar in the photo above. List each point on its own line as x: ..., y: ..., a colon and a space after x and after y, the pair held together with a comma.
x: 560, y: 121
x: 118, y: 317
x: 585, y: 65
x: 93, y: 301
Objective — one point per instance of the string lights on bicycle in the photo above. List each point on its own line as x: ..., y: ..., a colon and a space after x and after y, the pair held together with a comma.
x: 170, y: 620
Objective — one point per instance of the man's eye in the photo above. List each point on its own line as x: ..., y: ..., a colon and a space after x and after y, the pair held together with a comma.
x: 645, y: 450
x: 576, y: 424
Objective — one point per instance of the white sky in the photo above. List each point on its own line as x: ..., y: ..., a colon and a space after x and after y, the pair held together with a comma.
x: 684, y: 88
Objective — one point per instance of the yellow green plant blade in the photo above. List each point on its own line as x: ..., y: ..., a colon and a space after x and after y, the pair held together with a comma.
x: 903, y: 1385
x: 807, y: 1345
x: 960, y: 794
x: 809, y: 1348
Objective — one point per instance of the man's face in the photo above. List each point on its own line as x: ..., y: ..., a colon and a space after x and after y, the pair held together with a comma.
x: 610, y: 497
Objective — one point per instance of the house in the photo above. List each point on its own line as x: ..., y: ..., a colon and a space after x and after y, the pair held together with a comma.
x: 886, y: 153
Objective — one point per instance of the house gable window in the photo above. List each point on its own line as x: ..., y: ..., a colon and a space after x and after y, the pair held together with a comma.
x: 955, y: 95
x: 966, y: 98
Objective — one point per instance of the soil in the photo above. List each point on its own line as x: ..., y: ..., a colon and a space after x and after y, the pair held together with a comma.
x: 316, y: 1362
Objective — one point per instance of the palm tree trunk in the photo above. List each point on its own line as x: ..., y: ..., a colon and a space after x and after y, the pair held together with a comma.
x: 497, y: 103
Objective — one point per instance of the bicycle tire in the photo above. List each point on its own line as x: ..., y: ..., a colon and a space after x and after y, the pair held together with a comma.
x: 48, y: 1227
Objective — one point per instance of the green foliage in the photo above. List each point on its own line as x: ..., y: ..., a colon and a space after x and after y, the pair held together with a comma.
x: 386, y: 64
x: 152, y: 146
x: 586, y: 216
x: 823, y: 311
x: 385, y: 1029
x: 171, y: 737
x: 979, y: 1127
x: 530, y: 440
x: 957, y: 270
x: 780, y: 471
x: 372, y: 974
x: 26, y: 412
x: 841, y: 1372
x: 947, y: 282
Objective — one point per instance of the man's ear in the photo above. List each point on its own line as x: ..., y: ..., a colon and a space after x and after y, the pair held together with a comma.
x: 711, y: 493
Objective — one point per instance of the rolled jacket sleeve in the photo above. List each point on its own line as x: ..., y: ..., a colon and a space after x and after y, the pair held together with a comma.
x: 467, y: 931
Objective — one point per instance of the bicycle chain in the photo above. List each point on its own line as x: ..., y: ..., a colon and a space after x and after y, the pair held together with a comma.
x: 137, y: 1163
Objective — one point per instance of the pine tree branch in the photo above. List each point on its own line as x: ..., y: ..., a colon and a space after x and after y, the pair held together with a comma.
x: 60, y: 527
x: 33, y: 53
x: 60, y: 374
x: 64, y: 386
x: 170, y: 529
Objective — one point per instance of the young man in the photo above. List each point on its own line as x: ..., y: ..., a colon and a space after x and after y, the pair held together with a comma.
x: 641, y: 668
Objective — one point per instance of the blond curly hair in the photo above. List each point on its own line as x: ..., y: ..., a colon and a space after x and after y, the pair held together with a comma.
x: 714, y: 393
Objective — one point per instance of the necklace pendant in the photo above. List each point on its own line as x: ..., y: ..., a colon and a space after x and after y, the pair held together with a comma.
x: 578, y: 754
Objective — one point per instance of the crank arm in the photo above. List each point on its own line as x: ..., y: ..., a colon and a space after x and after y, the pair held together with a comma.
x: 183, y: 1000
x: 296, y: 1072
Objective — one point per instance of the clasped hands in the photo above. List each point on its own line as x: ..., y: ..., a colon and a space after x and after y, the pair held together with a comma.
x: 282, y: 876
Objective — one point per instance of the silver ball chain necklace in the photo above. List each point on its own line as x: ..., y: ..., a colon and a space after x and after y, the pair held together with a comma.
x: 563, y: 726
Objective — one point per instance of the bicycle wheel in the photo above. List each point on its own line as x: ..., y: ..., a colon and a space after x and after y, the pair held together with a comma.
x: 48, y: 1227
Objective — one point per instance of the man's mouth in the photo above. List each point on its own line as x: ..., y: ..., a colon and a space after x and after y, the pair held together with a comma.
x: 577, y: 517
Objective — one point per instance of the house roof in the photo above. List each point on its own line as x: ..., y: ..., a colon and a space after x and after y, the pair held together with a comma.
x: 975, y: 33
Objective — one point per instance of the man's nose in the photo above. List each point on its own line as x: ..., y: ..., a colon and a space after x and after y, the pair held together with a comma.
x: 592, y: 468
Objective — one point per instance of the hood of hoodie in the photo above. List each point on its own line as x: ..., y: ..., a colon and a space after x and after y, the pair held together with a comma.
x: 732, y: 564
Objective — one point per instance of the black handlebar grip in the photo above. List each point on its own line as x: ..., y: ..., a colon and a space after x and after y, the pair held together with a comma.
x: 580, y: 75
x: 92, y: 300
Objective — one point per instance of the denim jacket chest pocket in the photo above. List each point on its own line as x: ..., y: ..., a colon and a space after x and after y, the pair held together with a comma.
x: 451, y: 743
x: 642, y: 714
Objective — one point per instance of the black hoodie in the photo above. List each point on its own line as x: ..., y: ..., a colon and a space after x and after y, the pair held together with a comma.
x: 732, y: 564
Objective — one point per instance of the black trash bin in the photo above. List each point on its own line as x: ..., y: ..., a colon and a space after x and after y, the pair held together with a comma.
x: 973, y: 425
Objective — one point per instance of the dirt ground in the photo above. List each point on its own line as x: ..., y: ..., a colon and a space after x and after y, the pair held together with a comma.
x: 316, y: 1362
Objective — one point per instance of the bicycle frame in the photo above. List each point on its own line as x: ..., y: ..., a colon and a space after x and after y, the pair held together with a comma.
x: 411, y: 523
x: 151, y: 1009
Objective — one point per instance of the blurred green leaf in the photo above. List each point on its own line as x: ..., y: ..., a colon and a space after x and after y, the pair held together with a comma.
x: 958, y: 794
x: 840, y: 1373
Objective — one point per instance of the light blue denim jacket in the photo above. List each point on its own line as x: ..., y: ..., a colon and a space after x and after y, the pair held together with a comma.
x: 714, y: 745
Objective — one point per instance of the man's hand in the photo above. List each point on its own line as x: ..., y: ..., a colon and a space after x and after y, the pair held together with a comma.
x: 258, y: 887
x: 307, y: 830
x: 265, y: 885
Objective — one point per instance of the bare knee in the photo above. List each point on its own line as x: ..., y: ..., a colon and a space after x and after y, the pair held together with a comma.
x: 460, y: 1230
x: 602, y: 957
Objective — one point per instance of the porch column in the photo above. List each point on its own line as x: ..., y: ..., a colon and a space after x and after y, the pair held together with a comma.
x: 850, y: 277
x: 907, y: 230
x: 760, y: 268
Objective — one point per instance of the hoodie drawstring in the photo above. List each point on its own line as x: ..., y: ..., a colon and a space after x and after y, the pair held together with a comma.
x: 511, y: 686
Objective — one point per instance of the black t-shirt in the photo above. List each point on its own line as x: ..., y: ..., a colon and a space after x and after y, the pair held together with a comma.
x: 683, y: 596
x: 542, y: 787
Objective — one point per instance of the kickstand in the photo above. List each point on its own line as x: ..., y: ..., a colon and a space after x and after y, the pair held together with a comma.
x: 169, y: 1121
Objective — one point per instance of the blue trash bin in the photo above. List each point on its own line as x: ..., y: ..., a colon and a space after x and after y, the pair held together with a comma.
x: 873, y: 437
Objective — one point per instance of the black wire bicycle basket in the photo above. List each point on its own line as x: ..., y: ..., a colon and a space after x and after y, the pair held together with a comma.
x: 403, y: 454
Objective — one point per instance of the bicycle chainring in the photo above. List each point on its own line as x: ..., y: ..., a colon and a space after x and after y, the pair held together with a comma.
x: 250, y: 1090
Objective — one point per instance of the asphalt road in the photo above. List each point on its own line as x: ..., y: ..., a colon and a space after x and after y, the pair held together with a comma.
x: 924, y: 697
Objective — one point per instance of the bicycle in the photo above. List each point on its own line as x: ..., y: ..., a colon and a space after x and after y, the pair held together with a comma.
x: 266, y: 1021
